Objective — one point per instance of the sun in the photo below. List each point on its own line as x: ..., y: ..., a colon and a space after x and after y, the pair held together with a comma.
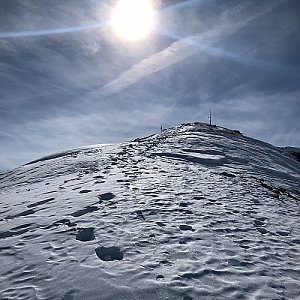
x: 133, y: 20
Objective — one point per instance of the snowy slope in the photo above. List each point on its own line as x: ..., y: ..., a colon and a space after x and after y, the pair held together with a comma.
x: 196, y: 212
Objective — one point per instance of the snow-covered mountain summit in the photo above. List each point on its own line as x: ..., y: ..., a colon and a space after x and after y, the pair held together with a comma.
x: 194, y: 212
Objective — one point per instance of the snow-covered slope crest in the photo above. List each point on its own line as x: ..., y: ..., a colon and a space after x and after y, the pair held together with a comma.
x: 194, y: 212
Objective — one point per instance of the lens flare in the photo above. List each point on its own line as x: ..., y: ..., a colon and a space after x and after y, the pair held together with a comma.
x: 133, y: 19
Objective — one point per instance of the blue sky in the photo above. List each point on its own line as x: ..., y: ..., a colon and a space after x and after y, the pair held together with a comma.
x: 67, y: 81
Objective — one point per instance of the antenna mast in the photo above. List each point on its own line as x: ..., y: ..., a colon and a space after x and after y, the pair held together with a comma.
x: 209, y: 117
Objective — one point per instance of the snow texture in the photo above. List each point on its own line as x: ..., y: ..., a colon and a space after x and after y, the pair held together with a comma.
x: 195, y: 212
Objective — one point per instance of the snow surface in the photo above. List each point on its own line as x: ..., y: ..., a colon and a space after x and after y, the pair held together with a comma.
x: 196, y: 212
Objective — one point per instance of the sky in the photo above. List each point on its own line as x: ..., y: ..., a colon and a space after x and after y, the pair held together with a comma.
x: 66, y: 80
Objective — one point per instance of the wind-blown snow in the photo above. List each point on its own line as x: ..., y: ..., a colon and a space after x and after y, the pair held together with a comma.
x: 196, y: 212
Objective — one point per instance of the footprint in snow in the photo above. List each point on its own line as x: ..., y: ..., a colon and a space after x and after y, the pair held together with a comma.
x: 185, y: 227
x: 84, y: 211
x: 258, y: 223
x: 98, y: 181
x: 106, y: 197
x: 140, y: 215
x: 227, y: 174
x: 261, y: 230
x: 40, y: 202
x: 282, y: 232
x: 185, y: 240
x: 161, y: 224
x: 98, y: 177
x: 19, y: 230
x: 76, y: 188
x: 84, y: 191
x: 85, y: 234
x: 22, y: 214
x: 109, y: 253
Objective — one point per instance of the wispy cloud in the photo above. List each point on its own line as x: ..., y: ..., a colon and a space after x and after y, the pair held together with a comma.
x: 231, y: 21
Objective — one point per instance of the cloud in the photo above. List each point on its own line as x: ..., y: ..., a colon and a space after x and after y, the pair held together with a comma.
x: 43, y: 137
x: 231, y: 21
x: 270, y: 116
x: 35, y: 33
x: 46, y: 103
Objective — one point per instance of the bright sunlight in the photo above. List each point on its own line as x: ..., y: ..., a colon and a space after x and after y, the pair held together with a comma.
x: 133, y: 19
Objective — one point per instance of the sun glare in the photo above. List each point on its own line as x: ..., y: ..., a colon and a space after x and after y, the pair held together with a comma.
x: 133, y: 19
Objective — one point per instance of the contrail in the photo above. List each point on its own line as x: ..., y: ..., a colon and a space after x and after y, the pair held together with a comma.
x: 180, y: 5
x: 36, y: 33
x: 242, y: 57
x: 184, y: 48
